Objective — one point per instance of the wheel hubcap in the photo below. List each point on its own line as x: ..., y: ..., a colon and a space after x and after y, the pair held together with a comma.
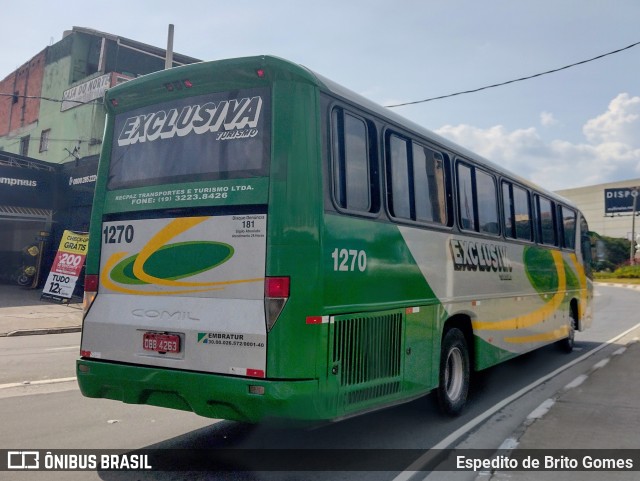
x: 453, y: 374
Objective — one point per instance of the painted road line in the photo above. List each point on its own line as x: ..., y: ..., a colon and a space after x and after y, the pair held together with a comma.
x: 36, y: 388
x: 541, y: 410
x: 66, y: 348
x: 37, y: 383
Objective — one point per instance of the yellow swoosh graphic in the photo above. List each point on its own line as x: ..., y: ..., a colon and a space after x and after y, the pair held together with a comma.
x: 536, y: 316
x: 545, y: 336
x: 105, y: 280
x: 171, y: 230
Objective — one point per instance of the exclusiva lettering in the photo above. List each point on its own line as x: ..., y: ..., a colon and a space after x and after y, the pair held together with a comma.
x: 479, y: 256
x: 225, y: 116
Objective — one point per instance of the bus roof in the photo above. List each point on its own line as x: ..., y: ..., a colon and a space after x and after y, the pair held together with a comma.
x: 280, y: 69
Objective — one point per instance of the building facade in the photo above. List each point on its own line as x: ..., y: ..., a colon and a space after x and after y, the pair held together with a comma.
x: 51, y: 107
x: 592, y: 200
x: 51, y: 125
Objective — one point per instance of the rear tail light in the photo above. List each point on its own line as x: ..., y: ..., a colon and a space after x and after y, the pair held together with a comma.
x: 178, y: 85
x: 276, y: 294
x: 91, y: 282
x: 276, y: 287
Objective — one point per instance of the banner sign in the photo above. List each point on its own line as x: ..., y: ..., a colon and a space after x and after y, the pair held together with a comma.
x: 89, y: 90
x: 619, y: 201
x: 66, y: 267
x: 26, y: 187
x: 85, y: 92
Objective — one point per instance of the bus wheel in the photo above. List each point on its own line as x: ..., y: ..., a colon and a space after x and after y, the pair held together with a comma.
x: 454, y: 372
x: 568, y: 342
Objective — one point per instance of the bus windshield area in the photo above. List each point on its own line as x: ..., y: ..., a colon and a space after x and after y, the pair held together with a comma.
x: 222, y: 135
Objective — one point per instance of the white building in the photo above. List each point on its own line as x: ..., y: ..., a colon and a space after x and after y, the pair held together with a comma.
x: 591, y: 201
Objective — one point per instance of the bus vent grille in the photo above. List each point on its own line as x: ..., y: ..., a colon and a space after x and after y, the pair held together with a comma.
x: 368, y: 348
x: 373, y: 392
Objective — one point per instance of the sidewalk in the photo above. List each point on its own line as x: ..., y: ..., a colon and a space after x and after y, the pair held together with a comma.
x: 23, y: 313
x: 599, y: 411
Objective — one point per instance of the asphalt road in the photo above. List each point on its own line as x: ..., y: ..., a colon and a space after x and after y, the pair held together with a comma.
x: 45, y: 414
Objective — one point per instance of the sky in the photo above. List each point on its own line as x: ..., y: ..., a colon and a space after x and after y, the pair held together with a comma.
x: 573, y: 128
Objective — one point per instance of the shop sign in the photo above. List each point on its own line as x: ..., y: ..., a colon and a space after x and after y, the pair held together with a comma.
x: 26, y: 187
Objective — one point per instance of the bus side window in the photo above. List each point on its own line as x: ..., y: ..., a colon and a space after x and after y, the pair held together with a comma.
x: 416, y: 187
x: 546, y: 221
x: 585, y: 246
x: 400, y: 190
x: 466, y: 204
x: 487, y: 203
x: 517, y: 211
x: 354, y: 176
x: 568, y: 224
x: 430, y: 187
x: 522, y: 207
x: 477, y: 200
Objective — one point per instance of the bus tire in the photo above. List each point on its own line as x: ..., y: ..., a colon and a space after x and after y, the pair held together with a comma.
x: 455, y: 372
x: 569, y: 342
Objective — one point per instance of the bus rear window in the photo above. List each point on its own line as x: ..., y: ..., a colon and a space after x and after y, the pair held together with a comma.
x: 208, y: 137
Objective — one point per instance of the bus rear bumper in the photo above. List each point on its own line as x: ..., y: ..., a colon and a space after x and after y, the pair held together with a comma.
x: 210, y: 395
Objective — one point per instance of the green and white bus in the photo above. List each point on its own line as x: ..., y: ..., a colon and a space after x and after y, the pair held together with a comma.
x: 267, y: 244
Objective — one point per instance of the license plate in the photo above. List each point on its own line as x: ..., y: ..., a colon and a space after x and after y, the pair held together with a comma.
x: 162, y: 343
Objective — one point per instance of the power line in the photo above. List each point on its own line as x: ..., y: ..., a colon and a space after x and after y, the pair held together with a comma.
x: 582, y: 62
x: 60, y: 101
x: 516, y: 80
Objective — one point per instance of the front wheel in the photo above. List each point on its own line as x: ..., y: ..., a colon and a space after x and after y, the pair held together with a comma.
x: 455, y: 372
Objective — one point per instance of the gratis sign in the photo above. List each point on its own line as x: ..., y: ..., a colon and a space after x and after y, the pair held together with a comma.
x: 66, y: 267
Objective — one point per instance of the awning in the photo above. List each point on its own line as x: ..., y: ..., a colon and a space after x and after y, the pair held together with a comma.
x: 10, y: 212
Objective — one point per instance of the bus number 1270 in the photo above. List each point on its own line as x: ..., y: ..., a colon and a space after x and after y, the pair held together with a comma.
x: 115, y: 234
x: 348, y: 260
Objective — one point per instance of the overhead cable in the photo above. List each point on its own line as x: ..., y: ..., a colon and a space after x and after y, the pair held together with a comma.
x: 2, y: 94
x: 515, y: 80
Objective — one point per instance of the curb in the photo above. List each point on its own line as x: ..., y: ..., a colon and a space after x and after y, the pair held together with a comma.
x: 617, y: 284
x: 40, y: 331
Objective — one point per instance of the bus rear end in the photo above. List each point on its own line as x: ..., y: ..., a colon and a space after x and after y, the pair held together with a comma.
x: 176, y: 291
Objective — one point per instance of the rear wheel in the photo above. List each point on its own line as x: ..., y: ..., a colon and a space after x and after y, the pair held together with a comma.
x: 568, y: 342
x: 454, y: 372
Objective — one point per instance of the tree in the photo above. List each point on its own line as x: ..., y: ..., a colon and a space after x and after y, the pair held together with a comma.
x: 611, y: 252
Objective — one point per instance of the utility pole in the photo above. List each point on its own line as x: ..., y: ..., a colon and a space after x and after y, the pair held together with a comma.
x: 168, y: 62
x: 632, y: 249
